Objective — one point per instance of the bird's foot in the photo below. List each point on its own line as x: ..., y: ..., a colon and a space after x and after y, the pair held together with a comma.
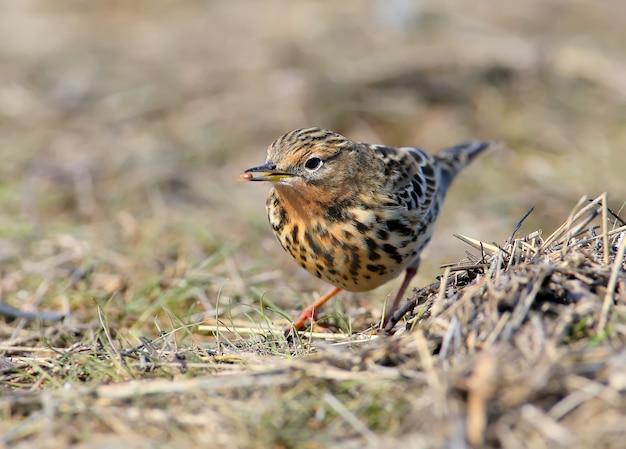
x: 308, y: 315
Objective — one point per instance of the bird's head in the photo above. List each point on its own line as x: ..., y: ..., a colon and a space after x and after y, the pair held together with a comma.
x: 309, y: 159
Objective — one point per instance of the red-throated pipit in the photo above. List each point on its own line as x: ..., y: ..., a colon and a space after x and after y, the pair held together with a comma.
x: 354, y: 214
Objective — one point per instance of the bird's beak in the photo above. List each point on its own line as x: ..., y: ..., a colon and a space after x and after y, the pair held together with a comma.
x: 266, y: 172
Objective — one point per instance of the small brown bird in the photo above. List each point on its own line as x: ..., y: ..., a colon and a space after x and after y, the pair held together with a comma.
x: 354, y: 214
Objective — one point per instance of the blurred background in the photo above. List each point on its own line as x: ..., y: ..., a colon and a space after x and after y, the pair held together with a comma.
x: 124, y: 127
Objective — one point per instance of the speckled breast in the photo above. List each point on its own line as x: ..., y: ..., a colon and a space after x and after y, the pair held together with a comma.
x: 357, y: 249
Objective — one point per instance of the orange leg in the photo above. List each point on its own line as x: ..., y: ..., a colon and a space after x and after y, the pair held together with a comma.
x: 410, y: 272
x: 310, y: 312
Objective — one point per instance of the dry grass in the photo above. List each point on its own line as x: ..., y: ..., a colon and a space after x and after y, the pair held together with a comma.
x: 522, y: 346
x: 123, y: 127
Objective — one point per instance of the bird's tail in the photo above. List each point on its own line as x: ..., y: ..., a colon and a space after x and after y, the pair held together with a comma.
x: 453, y: 159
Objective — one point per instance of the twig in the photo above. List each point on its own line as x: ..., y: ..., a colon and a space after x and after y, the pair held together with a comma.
x: 371, y: 438
x: 610, y: 288
x: 519, y: 225
x: 605, y: 228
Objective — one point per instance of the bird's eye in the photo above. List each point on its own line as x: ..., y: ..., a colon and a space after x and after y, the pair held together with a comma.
x: 313, y: 163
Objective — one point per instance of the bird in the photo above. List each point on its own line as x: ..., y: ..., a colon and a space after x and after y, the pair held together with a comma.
x: 354, y: 214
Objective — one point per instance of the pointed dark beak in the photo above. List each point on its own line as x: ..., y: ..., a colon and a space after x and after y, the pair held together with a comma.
x: 266, y: 172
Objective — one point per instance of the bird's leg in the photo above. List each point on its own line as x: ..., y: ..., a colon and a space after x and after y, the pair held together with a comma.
x: 410, y: 273
x: 310, y: 312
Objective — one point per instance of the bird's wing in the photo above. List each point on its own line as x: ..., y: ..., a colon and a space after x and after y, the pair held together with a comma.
x: 412, y: 177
